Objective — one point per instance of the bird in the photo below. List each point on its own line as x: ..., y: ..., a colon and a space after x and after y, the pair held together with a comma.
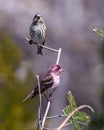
x: 38, y: 32
x: 49, y: 83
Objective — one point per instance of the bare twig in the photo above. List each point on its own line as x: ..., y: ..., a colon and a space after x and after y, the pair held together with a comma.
x: 40, y: 97
x: 58, y: 56
x: 39, y: 119
x: 56, y: 116
x: 40, y: 103
x: 46, y: 112
x: 72, y: 113
x: 45, y: 47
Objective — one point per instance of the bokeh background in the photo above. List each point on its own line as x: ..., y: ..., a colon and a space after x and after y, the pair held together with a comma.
x: 69, y: 26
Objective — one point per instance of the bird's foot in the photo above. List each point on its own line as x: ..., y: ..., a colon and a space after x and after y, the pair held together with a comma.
x: 30, y: 41
x: 48, y: 97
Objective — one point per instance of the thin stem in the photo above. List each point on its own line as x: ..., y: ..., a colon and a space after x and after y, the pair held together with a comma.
x: 39, y: 119
x: 40, y: 97
x: 56, y: 116
x: 40, y: 102
x: 45, y: 47
x: 46, y: 112
x: 72, y: 113
x: 48, y: 48
x: 58, y: 56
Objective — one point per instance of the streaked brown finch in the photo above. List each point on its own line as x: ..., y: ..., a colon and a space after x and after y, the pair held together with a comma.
x: 38, y: 32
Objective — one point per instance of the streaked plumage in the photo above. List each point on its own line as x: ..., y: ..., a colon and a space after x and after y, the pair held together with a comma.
x: 38, y: 32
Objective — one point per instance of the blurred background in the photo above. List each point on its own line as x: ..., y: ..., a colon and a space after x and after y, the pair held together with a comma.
x: 69, y: 26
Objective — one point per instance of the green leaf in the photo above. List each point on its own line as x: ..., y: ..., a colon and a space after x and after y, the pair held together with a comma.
x: 71, y: 101
x: 99, y: 32
x: 82, y: 117
x: 72, y: 104
x: 76, y: 124
x: 67, y: 110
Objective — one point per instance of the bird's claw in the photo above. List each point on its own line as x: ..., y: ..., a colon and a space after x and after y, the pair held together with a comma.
x: 48, y: 97
x: 30, y: 41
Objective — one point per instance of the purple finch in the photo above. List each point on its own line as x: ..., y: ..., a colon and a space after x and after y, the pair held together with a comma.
x: 38, y: 32
x: 49, y: 82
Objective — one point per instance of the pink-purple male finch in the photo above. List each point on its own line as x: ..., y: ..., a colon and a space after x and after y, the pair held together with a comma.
x: 49, y: 82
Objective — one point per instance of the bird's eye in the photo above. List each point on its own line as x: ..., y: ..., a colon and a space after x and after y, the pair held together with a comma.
x: 38, y: 17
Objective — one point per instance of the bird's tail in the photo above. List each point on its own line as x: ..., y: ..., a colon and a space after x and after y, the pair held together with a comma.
x: 33, y: 93
x: 39, y: 50
x: 28, y: 96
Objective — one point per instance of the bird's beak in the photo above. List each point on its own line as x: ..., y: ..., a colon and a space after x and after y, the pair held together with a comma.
x: 61, y: 70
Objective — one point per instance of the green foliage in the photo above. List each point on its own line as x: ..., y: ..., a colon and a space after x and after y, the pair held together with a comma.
x: 76, y: 125
x: 14, y: 115
x: 79, y: 117
x: 99, y: 32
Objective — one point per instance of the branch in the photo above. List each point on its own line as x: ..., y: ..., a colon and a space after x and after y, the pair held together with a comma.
x: 45, y: 47
x: 46, y: 112
x: 58, y: 56
x: 40, y: 99
x: 40, y: 103
x: 56, y: 116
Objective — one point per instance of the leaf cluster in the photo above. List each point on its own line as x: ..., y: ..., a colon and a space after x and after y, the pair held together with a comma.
x: 79, y: 117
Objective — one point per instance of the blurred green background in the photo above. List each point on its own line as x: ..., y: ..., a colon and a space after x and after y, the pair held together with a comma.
x: 14, y: 114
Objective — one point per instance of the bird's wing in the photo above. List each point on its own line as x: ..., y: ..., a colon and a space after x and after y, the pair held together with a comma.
x: 45, y: 83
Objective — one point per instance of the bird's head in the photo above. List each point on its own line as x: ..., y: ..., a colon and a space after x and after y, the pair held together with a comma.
x: 38, y: 18
x: 55, y: 69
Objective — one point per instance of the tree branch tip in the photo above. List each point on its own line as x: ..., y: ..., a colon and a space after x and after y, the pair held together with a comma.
x: 27, y: 39
x: 37, y: 76
x: 88, y: 106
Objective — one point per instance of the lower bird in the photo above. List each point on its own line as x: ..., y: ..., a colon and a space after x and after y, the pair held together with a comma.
x: 49, y: 82
x: 38, y: 32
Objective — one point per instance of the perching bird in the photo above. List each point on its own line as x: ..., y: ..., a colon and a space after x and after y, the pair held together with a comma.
x: 38, y: 32
x: 49, y: 82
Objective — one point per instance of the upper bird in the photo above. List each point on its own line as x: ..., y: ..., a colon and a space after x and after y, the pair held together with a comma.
x: 38, y: 32
x: 49, y: 82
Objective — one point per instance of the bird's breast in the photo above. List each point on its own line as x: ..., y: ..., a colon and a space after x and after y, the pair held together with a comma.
x: 38, y: 34
x: 56, y: 81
